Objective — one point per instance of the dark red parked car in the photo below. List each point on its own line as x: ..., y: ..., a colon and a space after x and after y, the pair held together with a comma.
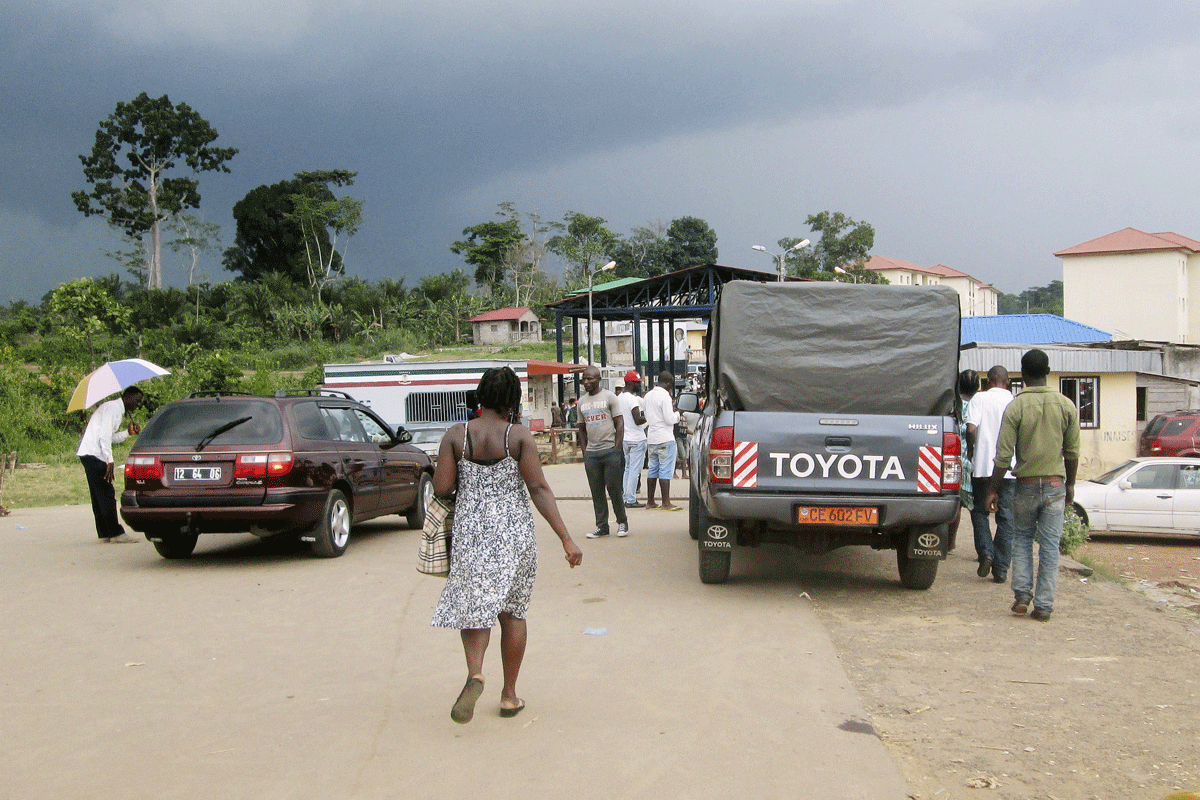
x: 1174, y: 434
x: 308, y: 464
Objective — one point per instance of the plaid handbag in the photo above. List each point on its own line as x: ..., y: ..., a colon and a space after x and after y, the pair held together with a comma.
x: 433, y: 558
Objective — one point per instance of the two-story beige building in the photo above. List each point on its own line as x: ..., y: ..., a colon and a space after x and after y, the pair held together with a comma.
x: 1137, y: 285
x: 976, y: 298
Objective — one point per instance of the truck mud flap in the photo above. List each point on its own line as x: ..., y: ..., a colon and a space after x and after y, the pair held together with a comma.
x: 717, y: 535
x: 928, y: 542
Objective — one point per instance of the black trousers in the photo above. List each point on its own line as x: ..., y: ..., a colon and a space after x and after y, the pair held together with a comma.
x: 104, y: 498
x: 605, y: 472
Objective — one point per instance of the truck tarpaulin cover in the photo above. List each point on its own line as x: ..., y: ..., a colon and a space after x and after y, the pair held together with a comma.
x: 835, y: 348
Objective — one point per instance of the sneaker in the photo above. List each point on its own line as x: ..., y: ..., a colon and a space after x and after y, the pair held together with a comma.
x: 985, y: 566
x: 1040, y: 615
x: 1021, y: 606
x: 622, y: 529
x: 635, y: 504
x: 123, y: 538
x: 999, y: 578
x: 596, y: 534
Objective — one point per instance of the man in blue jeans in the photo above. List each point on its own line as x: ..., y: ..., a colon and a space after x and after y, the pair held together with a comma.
x: 634, y: 444
x: 601, y: 431
x: 1041, y: 427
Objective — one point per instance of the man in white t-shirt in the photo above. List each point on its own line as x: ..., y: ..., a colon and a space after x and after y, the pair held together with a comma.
x: 985, y: 412
x: 633, y: 411
x: 661, y: 417
x: 95, y: 453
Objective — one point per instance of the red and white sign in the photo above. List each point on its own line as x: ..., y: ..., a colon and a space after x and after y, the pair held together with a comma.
x: 929, y: 469
x: 745, y: 465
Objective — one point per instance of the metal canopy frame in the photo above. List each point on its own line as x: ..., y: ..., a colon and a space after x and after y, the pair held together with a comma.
x: 684, y: 294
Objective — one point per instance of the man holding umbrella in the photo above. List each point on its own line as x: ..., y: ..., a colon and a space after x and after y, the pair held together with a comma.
x: 95, y: 452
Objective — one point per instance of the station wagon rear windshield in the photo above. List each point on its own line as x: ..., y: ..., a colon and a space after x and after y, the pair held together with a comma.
x: 187, y: 424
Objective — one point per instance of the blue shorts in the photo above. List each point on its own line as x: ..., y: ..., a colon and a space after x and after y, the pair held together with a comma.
x: 662, y: 460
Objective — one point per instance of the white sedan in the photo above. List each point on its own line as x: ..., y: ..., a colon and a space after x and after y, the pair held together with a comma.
x: 1144, y: 495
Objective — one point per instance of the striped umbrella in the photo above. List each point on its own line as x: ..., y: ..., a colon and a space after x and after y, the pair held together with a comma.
x: 111, y: 378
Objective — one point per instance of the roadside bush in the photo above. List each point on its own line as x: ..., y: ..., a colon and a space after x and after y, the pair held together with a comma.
x: 1075, y: 533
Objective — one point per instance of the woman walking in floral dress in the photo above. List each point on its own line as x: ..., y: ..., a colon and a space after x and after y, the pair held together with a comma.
x: 489, y: 463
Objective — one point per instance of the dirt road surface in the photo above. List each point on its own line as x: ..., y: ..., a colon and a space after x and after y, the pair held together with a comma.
x: 255, y: 671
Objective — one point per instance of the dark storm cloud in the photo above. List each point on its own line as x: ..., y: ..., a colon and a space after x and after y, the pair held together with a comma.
x: 445, y: 112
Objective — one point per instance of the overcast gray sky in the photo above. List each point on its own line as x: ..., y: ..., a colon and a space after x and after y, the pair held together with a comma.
x: 979, y: 134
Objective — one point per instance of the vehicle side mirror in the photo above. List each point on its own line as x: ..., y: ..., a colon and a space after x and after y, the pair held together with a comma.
x: 689, y: 402
x: 1124, y: 484
x: 403, y: 436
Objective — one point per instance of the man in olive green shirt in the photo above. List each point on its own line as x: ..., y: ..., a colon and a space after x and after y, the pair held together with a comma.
x: 1042, y: 428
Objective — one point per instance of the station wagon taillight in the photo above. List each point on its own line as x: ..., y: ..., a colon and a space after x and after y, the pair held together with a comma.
x: 143, y: 468
x: 262, y: 465
x: 951, y: 462
x: 720, y: 456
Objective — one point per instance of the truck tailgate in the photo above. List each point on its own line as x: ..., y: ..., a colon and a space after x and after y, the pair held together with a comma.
x: 843, y: 454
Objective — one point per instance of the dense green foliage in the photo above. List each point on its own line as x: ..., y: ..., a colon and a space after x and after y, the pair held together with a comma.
x: 250, y: 336
x: 1046, y: 299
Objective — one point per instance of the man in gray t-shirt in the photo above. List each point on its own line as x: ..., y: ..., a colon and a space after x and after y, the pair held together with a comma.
x: 601, y: 433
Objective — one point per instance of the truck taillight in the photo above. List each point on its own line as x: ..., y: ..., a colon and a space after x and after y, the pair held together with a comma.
x: 261, y: 465
x: 951, y: 462
x: 143, y: 468
x: 720, y: 456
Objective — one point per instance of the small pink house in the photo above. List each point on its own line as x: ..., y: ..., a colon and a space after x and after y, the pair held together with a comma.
x: 506, y: 326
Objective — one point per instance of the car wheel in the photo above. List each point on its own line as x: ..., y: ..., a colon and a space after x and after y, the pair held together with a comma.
x: 416, y: 517
x: 915, y: 573
x: 178, y: 545
x: 1079, y: 512
x: 333, y: 531
x: 714, y: 566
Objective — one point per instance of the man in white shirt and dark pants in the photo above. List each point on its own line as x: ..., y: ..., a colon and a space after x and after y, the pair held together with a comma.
x: 985, y: 412
x: 661, y: 417
x: 95, y: 453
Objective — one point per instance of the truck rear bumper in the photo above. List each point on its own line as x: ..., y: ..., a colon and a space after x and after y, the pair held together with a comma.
x: 780, y: 510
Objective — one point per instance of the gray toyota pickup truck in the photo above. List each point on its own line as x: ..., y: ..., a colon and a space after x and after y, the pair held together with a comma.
x: 829, y: 421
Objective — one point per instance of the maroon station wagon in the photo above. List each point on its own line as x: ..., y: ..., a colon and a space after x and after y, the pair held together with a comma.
x: 307, y: 464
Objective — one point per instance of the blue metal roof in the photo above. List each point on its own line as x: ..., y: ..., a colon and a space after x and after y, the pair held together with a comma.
x: 1029, y: 329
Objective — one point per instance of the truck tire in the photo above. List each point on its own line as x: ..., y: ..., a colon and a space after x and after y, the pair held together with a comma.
x: 714, y: 566
x: 915, y: 573
x: 693, y: 512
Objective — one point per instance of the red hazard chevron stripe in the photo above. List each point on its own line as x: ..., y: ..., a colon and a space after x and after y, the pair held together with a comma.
x: 745, y: 465
x: 929, y: 469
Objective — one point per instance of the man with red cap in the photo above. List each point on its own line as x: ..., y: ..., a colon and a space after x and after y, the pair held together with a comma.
x: 633, y: 410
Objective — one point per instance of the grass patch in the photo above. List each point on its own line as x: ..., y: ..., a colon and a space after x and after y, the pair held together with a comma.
x: 1101, y: 570
x: 61, y: 482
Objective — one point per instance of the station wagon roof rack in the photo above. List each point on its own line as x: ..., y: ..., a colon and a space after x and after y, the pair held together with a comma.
x: 218, y: 393
x: 316, y: 392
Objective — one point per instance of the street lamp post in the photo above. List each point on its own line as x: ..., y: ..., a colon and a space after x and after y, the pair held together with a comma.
x: 592, y: 274
x: 846, y: 272
x: 780, y: 257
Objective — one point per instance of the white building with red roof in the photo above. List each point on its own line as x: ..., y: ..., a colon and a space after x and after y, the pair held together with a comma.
x: 506, y: 326
x: 976, y: 298
x: 1137, y: 285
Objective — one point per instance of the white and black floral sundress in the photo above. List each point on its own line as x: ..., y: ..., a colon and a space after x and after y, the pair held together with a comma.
x: 493, y: 558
